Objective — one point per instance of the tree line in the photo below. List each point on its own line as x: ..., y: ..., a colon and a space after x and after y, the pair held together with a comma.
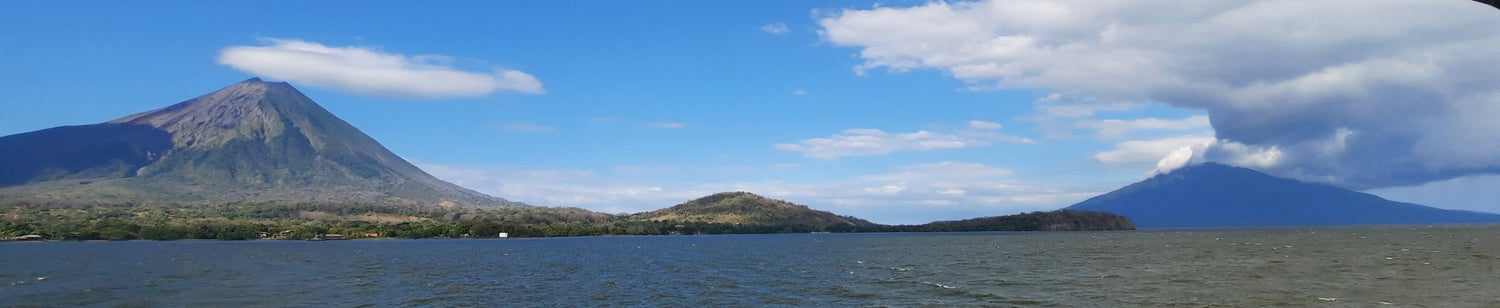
x: 294, y: 221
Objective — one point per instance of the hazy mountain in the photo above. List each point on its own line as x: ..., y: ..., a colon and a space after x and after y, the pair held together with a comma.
x: 1214, y: 195
x: 748, y: 208
x: 253, y: 142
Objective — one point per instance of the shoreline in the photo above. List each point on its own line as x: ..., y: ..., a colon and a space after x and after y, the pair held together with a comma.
x: 1268, y: 228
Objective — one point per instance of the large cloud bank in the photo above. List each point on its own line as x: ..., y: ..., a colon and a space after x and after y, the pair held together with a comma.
x: 1360, y: 93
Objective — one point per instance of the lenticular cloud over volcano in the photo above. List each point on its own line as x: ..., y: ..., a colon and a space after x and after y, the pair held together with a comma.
x: 1363, y: 94
x: 372, y: 71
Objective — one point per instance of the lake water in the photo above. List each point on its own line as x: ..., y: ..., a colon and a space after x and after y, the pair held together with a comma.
x: 1348, y: 266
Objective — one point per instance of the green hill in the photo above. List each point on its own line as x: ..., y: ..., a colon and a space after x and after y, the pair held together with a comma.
x: 743, y: 208
x: 743, y: 212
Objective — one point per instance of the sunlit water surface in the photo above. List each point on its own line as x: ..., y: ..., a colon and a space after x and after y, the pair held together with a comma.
x: 1349, y: 266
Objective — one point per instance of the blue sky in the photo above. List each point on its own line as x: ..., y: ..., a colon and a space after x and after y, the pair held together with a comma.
x: 898, y: 112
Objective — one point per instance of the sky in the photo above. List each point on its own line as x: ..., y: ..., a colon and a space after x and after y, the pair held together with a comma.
x: 893, y: 111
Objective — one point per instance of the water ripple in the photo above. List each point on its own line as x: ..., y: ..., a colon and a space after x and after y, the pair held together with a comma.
x: 1362, y: 266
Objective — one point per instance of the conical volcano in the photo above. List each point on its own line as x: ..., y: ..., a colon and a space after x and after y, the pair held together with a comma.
x: 1214, y: 195
x: 251, y: 142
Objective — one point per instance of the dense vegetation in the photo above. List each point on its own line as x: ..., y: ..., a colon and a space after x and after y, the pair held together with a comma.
x: 303, y: 221
x: 1060, y: 220
x: 298, y: 221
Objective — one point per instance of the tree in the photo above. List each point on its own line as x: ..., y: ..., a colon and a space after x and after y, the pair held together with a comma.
x: 159, y: 233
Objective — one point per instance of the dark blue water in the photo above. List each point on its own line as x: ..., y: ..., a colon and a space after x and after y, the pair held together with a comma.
x: 1368, y: 266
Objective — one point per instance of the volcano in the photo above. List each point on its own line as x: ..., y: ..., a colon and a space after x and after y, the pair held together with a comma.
x: 1214, y: 195
x: 251, y: 142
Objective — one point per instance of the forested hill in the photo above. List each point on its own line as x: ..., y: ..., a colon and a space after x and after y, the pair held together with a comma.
x: 1060, y: 220
x: 749, y: 209
x: 742, y: 210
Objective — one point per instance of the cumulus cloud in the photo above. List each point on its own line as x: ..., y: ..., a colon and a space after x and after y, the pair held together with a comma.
x: 1171, y: 153
x: 371, y: 71
x: 1116, y: 128
x: 775, y: 28
x: 1347, y: 92
x: 1147, y: 153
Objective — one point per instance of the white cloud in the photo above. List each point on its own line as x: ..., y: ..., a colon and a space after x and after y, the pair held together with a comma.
x: 1147, y: 153
x: 799, y: 92
x: 1168, y: 154
x: 872, y: 142
x: 1057, y: 105
x: 371, y: 71
x: 523, y: 127
x: 666, y: 125
x: 977, y: 124
x: 1272, y: 74
x: 1056, y: 115
x: 1115, y: 128
x: 775, y: 28
x: 868, y: 142
x: 1179, y: 158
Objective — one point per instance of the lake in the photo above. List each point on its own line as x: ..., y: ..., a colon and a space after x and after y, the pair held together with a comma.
x: 1338, y: 266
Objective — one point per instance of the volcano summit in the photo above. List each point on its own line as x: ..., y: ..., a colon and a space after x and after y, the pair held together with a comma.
x: 251, y: 142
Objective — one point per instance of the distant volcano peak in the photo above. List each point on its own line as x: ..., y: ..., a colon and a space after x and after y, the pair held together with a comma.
x: 1216, y: 195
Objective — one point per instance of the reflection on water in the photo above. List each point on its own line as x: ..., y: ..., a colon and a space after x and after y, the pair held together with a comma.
x: 1346, y: 266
